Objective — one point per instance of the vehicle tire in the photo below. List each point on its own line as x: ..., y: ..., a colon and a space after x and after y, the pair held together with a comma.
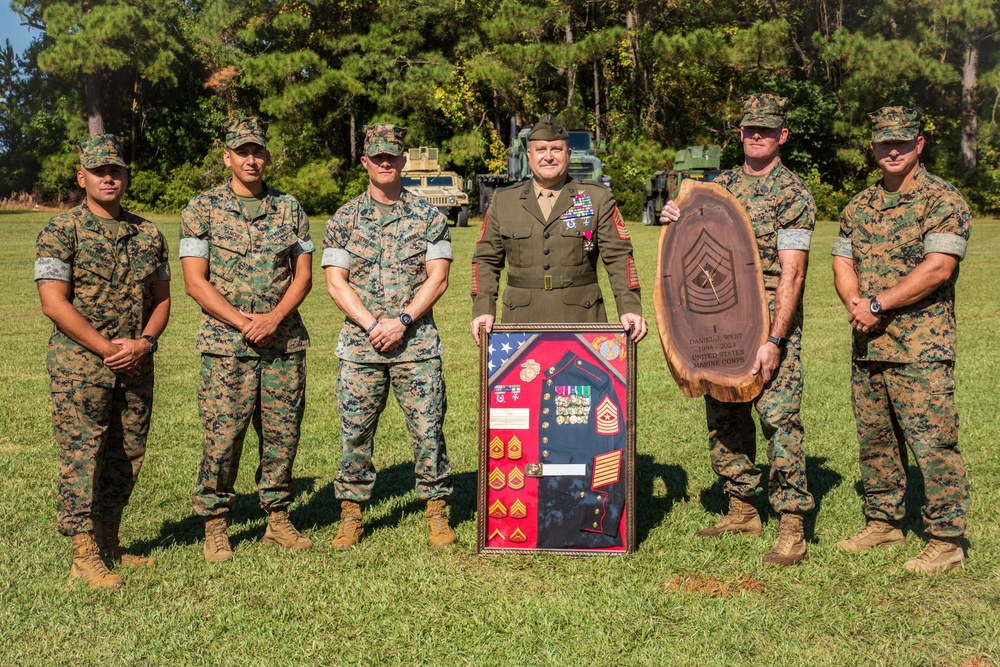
x: 649, y: 214
x: 462, y: 220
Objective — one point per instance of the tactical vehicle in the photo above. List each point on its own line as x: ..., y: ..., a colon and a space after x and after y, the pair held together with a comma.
x: 584, y: 165
x: 423, y: 177
x: 696, y: 162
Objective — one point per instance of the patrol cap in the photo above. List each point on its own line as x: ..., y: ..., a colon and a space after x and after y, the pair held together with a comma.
x: 384, y: 139
x: 895, y: 124
x: 246, y: 130
x: 548, y: 129
x: 100, y: 150
x: 764, y: 110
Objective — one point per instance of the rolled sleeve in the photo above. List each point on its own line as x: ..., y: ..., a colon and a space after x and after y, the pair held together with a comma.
x: 951, y: 244
x: 336, y: 257
x: 439, y: 250
x: 192, y: 247
x: 842, y: 247
x: 794, y: 239
x: 303, y: 246
x: 50, y: 268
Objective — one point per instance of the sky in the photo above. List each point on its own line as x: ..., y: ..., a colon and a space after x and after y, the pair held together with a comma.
x: 11, y: 29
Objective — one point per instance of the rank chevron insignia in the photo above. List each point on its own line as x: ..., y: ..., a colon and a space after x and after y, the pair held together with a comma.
x: 515, y: 479
x: 607, y: 418
x: 518, y: 536
x: 607, y: 469
x: 496, y: 448
x: 514, y: 449
x: 498, y: 510
x: 497, y: 479
x: 497, y: 534
x: 518, y: 510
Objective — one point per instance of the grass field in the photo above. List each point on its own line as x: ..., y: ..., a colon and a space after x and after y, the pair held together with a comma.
x: 679, y: 600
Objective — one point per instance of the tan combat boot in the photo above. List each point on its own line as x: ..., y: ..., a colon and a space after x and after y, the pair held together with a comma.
x: 112, y: 552
x: 88, y: 566
x: 876, y: 533
x: 741, y: 518
x: 790, y: 549
x: 217, y: 549
x: 940, y: 555
x: 440, y: 533
x: 351, y: 529
x: 281, y: 531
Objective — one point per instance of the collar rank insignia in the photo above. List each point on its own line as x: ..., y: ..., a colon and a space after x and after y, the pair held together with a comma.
x: 518, y: 510
x: 515, y: 479
x: 607, y: 418
x: 498, y: 510
x: 607, y: 468
x: 496, y: 448
x: 497, y: 479
x: 497, y: 534
x: 514, y: 449
x: 518, y: 536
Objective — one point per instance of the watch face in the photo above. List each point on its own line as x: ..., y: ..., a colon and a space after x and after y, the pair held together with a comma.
x: 406, y: 319
x: 875, y: 307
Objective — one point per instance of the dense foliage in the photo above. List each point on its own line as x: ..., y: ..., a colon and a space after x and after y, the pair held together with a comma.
x: 650, y: 76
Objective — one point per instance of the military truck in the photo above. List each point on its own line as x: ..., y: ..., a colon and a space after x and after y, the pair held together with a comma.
x: 584, y: 165
x: 423, y: 177
x: 700, y: 163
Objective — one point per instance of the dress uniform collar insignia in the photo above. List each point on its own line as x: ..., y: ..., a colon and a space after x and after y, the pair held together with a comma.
x: 518, y: 510
x: 518, y: 536
x: 496, y: 448
x: 497, y: 479
x: 515, y: 479
x: 498, y: 510
x: 514, y: 448
x: 607, y: 418
x: 607, y: 468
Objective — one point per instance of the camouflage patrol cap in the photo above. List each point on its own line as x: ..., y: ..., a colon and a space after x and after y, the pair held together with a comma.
x: 548, y: 129
x: 384, y: 139
x: 895, y: 124
x: 100, y: 150
x: 764, y: 110
x: 246, y: 130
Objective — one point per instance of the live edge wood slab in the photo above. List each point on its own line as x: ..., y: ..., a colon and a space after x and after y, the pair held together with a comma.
x: 709, y: 296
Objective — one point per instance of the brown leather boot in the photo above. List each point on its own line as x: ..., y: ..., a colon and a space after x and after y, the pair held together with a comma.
x: 351, y: 529
x: 790, y: 549
x: 281, y: 531
x: 876, y: 533
x: 88, y: 566
x: 741, y: 518
x: 440, y: 533
x: 217, y: 549
x: 940, y: 555
x: 112, y: 552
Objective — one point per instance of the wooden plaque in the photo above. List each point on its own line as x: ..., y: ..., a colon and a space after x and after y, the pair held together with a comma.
x: 709, y: 296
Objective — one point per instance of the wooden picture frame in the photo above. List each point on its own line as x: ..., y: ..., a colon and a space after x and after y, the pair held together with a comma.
x: 556, y: 440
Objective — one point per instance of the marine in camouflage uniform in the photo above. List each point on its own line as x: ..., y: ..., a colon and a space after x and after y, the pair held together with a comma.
x: 550, y: 232
x: 103, y: 278
x: 895, y: 265
x: 246, y: 253
x: 783, y: 215
x: 387, y: 255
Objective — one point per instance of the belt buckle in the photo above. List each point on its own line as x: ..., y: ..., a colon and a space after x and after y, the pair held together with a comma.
x: 547, y: 283
x: 533, y: 470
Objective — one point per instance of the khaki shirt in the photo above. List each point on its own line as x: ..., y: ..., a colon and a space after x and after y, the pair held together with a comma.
x: 112, y: 279
x: 887, y: 235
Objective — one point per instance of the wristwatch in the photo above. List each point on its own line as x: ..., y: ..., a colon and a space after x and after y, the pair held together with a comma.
x: 875, y: 307
x: 152, y: 343
x: 406, y: 320
x: 777, y: 340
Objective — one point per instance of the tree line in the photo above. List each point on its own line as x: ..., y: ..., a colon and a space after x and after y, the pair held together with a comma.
x: 648, y: 76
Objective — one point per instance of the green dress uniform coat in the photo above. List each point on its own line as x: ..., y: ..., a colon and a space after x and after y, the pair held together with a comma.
x: 552, y: 262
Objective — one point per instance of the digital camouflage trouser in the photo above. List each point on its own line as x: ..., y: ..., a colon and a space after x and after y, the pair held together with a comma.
x: 910, y: 405
x: 270, y: 393
x: 362, y: 390
x: 732, y: 437
x: 101, y: 432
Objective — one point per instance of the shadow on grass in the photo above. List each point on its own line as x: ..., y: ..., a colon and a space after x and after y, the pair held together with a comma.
x: 650, y: 509
x: 913, y: 498
x: 819, y: 478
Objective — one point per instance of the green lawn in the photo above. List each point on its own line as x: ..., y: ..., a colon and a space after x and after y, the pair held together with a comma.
x: 679, y: 600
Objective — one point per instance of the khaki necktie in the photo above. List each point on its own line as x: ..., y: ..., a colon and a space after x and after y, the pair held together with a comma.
x: 546, y: 202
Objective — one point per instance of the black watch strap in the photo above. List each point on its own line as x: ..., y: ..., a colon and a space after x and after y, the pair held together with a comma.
x: 153, y: 344
x: 777, y: 340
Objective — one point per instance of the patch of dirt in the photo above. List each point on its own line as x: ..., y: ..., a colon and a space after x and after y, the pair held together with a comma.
x: 714, y: 588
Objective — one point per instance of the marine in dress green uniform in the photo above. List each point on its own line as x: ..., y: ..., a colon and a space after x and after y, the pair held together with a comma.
x: 250, y: 249
x: 896, y: 264
x: 109, y: 267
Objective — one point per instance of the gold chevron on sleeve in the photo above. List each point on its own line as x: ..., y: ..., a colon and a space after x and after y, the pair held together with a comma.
x: 498, y: 510
x: 518, y: 510
x: 497, y: 479
x: 518, y: 536
x: 515, y: 479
